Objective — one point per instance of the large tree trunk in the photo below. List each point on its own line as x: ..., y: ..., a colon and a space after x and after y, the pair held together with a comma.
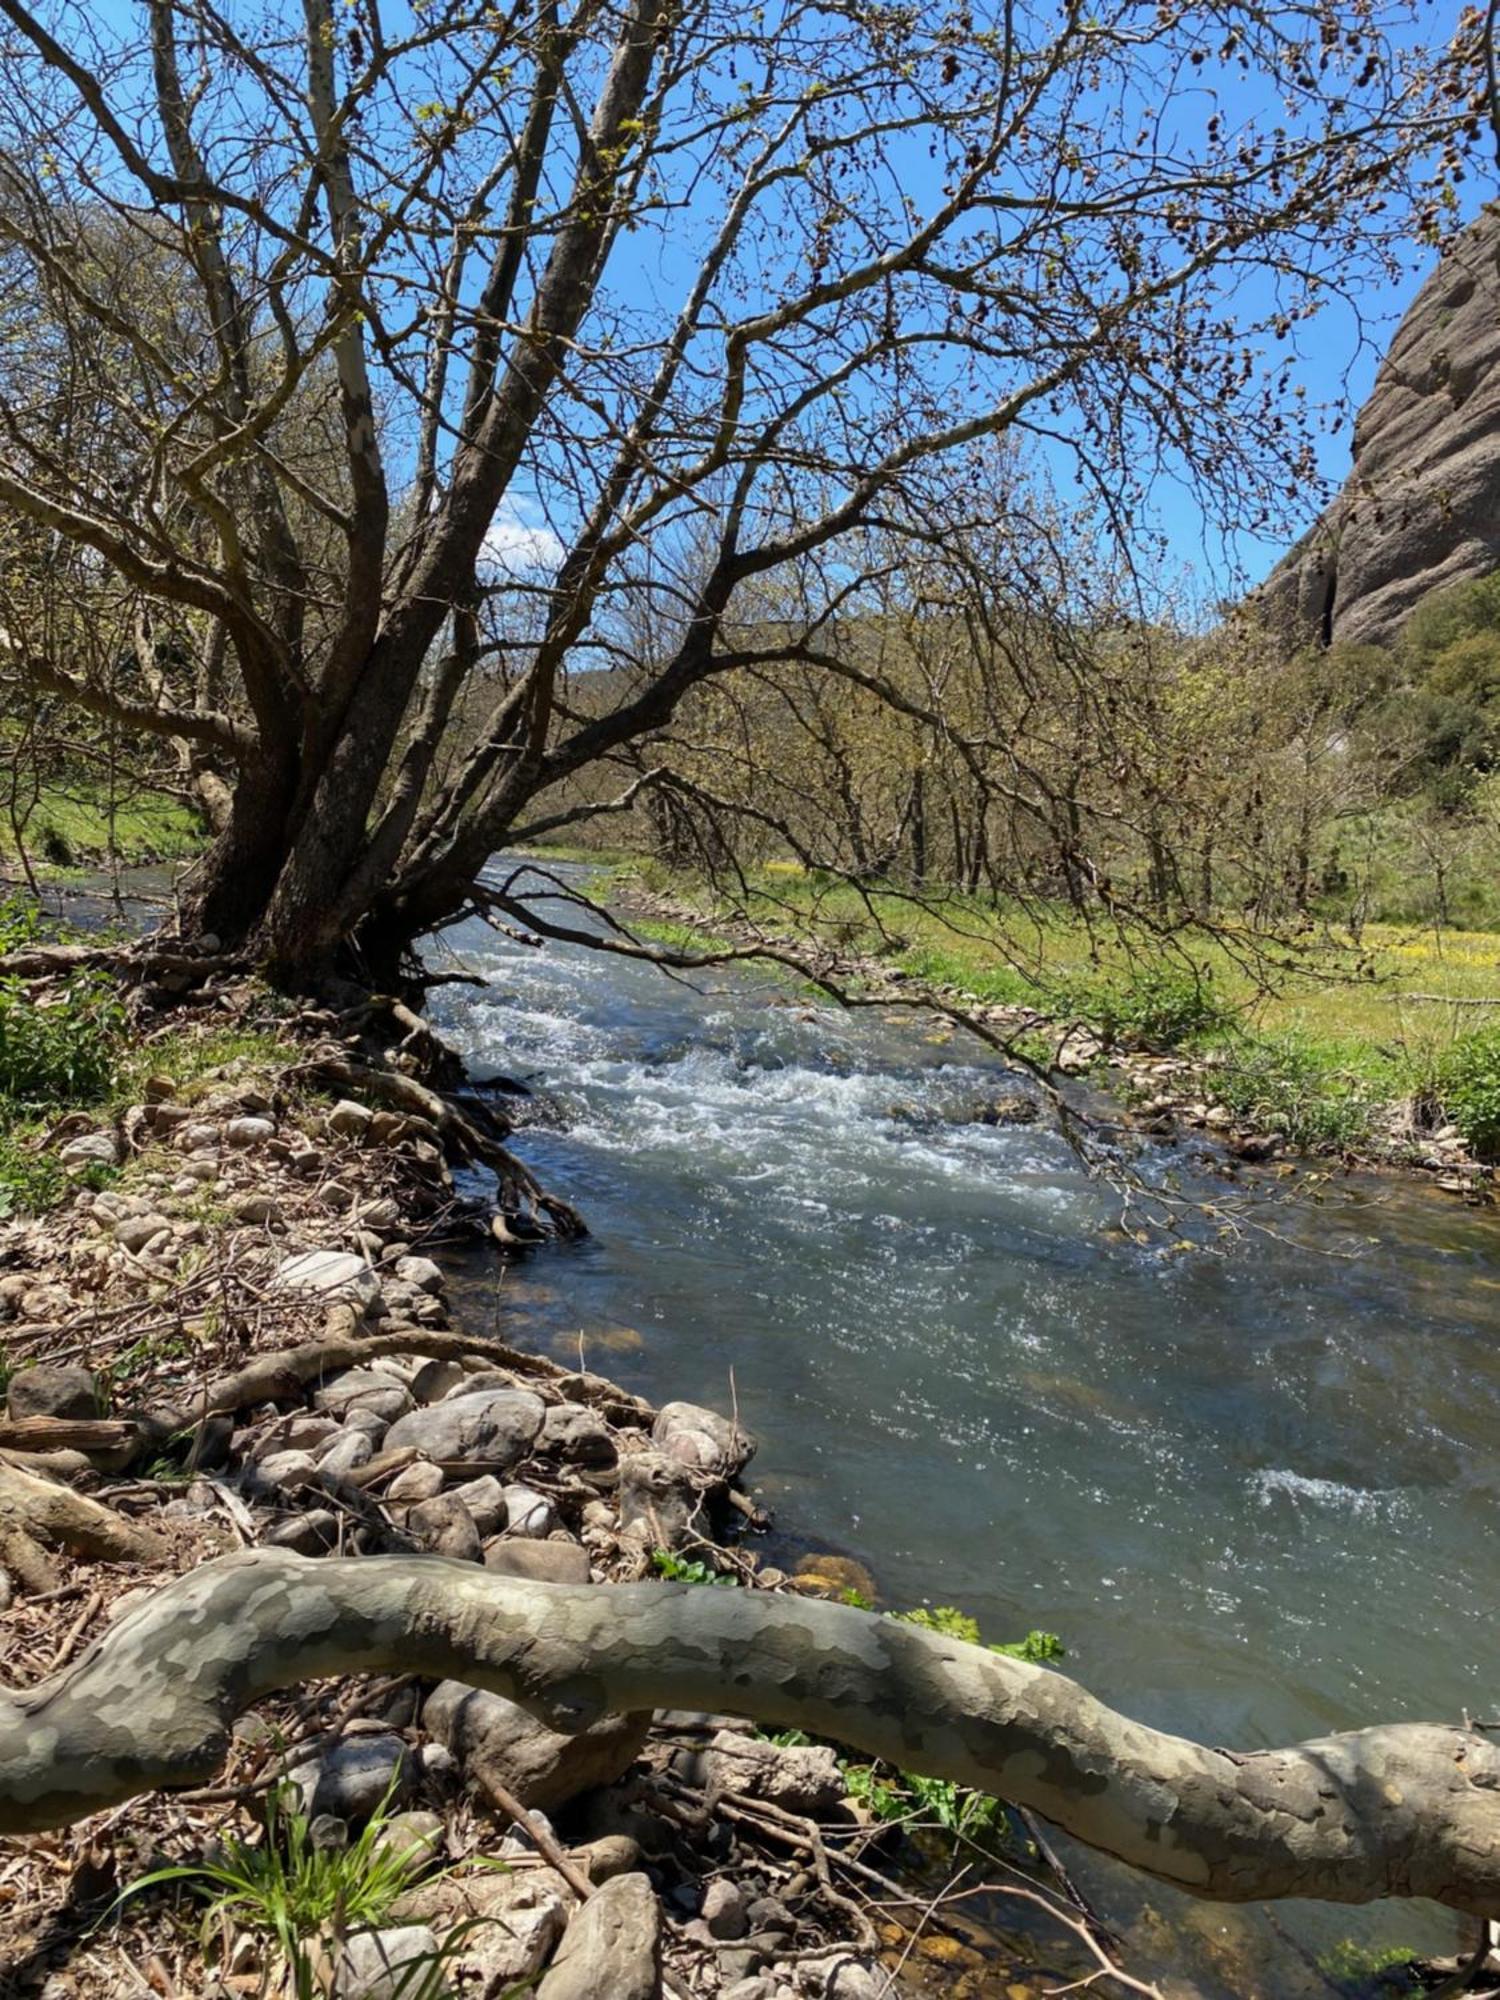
x: 1405, y: 1810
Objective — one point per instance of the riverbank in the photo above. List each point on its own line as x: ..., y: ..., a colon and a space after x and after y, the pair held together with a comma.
x: 231, y: 1331
x: 1156, y: 1036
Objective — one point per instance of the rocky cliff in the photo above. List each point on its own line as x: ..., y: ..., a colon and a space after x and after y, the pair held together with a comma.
x: 1421, y: 506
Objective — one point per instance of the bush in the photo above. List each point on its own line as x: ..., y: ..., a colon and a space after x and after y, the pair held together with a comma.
x: 1311, y: 1092
x: 1468, y: 1083
x: 60, y: 1050
x: 1157, y: 1006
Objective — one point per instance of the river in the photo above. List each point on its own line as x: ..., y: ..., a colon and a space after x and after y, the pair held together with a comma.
x: 1252, y: 1484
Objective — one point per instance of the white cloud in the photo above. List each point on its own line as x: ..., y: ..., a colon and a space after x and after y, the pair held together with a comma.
x: 518, y: 541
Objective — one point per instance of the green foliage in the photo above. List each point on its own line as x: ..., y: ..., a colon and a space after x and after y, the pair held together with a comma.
x: 1451, y: 648
x: 1364, y: 1971
x: 30, y: 1182
x: 678, y: 1569
x: 297, y: 1895
x: 1036, y: 1648
x: 1152, y: 1006
x: 1468, y: 1081
x: 63, y: 1050
x: 1319, y: 1095
x: 20, y: 922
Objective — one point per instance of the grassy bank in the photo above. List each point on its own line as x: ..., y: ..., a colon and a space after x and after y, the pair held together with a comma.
x: 1329, y: 1040
x: 73, y: 826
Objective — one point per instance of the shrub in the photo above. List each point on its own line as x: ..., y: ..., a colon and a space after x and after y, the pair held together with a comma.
x: 1468, y: 1082
x: 1158, y: 1006
x: 60, y: 1050
x: 1311, y: 1092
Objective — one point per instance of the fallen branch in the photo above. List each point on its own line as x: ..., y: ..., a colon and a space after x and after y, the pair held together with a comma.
x: 1406, y: 1809
x: 43, y: 1513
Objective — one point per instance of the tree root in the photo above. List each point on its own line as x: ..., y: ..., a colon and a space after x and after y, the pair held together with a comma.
x: 1400, y: 1810
x: 471, y: 1136
x: 37, y: 1512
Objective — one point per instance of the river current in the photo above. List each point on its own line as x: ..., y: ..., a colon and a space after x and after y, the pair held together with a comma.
x: 1252, y: 1483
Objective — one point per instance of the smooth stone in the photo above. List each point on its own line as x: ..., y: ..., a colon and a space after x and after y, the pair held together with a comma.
x: 313, y: 1533
x: 725, y: 1910
x: 363, y: 1389
x: 288, y: 1470
x: 330, y: 1274
x: 136, y: 1231
x: 416, y: 1482
x: 485, y: 1500
x: 421, y: 1272
x: 528, y: 1513
x: 347, y: 1453
x: 243, y: 1133
x: 496, y: 1426
x: 54, y: 1390
x: 91, y: 1149
x: 436, y: 1379
x: 445, y: 1526
x: 702, y: 1440
x: 348, y: 1119
x: 612, y: 1946
x: 539, y: 1562
x: 418, y: 1837
x: 356, y: 1777
x: 400, y: 1964
x: 498, y: 1744
x: 299, y: 1430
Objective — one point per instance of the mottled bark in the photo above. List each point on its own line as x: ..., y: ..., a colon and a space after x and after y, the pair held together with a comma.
x: 1402, y: 1810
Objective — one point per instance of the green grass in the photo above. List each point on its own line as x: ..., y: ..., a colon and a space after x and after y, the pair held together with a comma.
x: 1316, y: 1035
x: 73, y: 825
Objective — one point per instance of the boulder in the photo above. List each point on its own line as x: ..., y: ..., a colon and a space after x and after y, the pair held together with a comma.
x: 53, y: 1391
x: 498, y: 1743
x: 494, y: 1427
x: 702, y: 1440
x: 329, y: 1274
x: 611, y: 1947
x: 540, y: 1562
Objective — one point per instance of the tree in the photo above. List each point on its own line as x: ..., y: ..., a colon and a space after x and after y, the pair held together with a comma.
x: 472, y: 329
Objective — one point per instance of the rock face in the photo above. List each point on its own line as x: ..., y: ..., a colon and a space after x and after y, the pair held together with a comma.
x: 1421, y: 508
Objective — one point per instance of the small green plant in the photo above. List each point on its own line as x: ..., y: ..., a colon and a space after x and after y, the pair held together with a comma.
x: 300, y: 1896
x: 678, y: 1569
x: 1468, y: 1082
x: 20, y: 923
x: 1364, y: 1971
x: 30, y: 1182
x: 1158, y: 1006
x: 1036, y: 1647
x: 61, y: 1051
x: 1317, y: 1094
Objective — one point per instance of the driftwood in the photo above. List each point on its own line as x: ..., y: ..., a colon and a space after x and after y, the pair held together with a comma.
x: 1407, y: 1809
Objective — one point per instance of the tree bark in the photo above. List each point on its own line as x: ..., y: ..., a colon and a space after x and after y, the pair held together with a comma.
x: 1403, y: 1810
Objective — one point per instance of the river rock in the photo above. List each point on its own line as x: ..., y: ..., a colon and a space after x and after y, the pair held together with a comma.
x: 53, y: 1390
x: 363, y: 1389
x: 135, y: 1232
x: 495, y: 1427
x: 286, y: 1471
x: 575, y: 1434
x: 485, y: 1501
x: 400, y: 1964
x: 658, y: 1498
x: 436, y: 1379
x: 348, y: 1119
x: 312, y: 1533
x: 421, y: 1272
x: 498, y: 1743
x: 91, y: 1149
x: 725, y: 1910
x: 509, y: 1925
x: 244, y: 1133
x: 330, y: 1274
x: 611, y: 1947
x: 348, y: 1451
x: 417, y: 1838
x: 702, y: 1440
x: 417, y: 1482
x: 539, y: 1562
x: 445, y: 1527
x: 528, y: 1513
x: 355, y: 1778
x: 800, y: 1778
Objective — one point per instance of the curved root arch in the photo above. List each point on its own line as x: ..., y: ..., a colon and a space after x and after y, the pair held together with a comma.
x: 1402, y: 1810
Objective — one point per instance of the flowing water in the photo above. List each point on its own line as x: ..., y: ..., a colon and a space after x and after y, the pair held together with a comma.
x: 1253, y: 1484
